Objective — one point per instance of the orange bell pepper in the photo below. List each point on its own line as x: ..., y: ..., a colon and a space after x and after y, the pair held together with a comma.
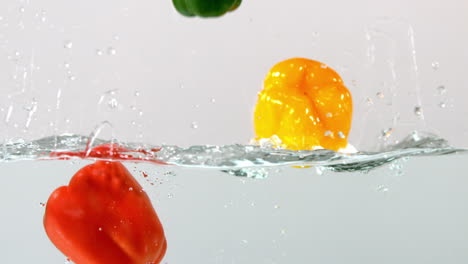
x: 305, y: 104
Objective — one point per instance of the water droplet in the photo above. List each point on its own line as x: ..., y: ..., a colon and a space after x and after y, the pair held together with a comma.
x: 245, y: 241
x: 130, y: 189
x: 99, y: 52
x: 68, y: 44
x: 276, y: 206
x: 328, y: 133
x: 418, y: 110
x: 170, y: 195
x: 140, y: 113
x: 441, y: 89
x: 43, y: 16
x: 133, y: 123
x: 197, y: 106
x: 435, y: 65
x: 380, y: 95
x: 341, y: 134
x: 213, y: 100
x: 323, y: 66
x: 329, y: 115
x: 112, y: 103
x: 194, y: 125
x: 66, y: 65
x: 16, y: 55
x: 386, y: 133
x: 116, y: 37
x: 100, y: 228
x: 42, y: 204
x: 137, y: 93
x: 369, y: 101
x: 111, y: 51
x: 283, y: 232
x: 22, y: 9
x: 72, y: 77
x: 442, y: 105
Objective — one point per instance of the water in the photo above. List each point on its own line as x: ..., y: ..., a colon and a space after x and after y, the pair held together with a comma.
x: 410, y: 210
x: 233, y: 157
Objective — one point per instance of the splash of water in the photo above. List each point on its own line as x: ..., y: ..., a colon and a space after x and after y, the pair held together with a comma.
x: 237, y: 159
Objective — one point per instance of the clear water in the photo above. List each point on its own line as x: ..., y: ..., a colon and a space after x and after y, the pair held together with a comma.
x: 409, y: 209
x: 239, y: 160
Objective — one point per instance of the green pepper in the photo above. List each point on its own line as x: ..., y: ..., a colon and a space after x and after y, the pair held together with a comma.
x: 205, y: 8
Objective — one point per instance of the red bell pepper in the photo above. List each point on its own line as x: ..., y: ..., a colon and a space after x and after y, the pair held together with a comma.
x: 103, y: 216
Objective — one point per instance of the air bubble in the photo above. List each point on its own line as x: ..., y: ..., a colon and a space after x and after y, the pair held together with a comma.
x: 71, y: 77
x: 435, y: 65
x: 130, y: 189
x: 194, y: 125
x: 319, y: 170
x: 137, y: 93
x: 442, y: 105
x: 328, y: 133
x: 380, y: 95
x: 42, y: 204
x: 170, y: 195
x: 100, y: 228
x: 213, y: 100
x: 99, y: 52
x: 329, y: 115
x: 66, y: 65
x: 323, y: 66
x: 382, y: 188
x: 68, y: 44
x: 22, y: 9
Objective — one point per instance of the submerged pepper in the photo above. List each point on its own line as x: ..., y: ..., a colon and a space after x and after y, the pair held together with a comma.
x: 205, y: 8
x: 104, y: 216
x: 306, y: 104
